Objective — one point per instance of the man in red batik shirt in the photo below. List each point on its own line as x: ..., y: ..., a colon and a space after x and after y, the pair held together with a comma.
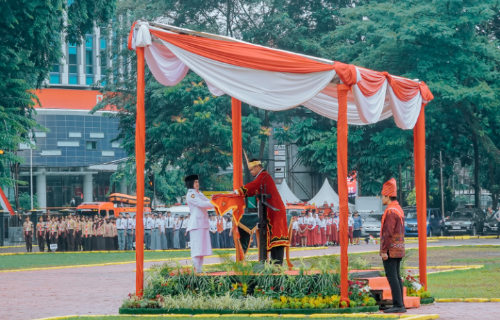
x: 277, y: 228
x: 392, y: 244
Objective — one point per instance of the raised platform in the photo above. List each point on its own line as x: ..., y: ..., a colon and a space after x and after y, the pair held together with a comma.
x: 380, y: 287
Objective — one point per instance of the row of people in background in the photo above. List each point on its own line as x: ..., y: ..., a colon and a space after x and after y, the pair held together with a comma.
x: 164, y: 231
x: 313, y: 229
x: 84, y: 233
x: 221, y: 231
x: 72, y: 233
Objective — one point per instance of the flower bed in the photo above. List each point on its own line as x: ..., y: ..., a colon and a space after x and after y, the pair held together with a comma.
x: 278, y: 311
x: 249, y: 287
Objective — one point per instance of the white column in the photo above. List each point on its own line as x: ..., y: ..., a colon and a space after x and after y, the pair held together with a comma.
x: 81, y: 63
x: 64, y: 64
x: 41, y: 188
x: 87, y: 188
x: 123, y: 186
x: 97, y: 54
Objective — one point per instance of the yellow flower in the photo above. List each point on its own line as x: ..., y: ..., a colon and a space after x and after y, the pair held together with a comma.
x: 235, y: 286
x: 244, y: 287
x: 283, y: 299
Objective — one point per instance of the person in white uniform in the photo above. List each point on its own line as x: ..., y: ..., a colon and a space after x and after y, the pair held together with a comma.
x: 199, y: 224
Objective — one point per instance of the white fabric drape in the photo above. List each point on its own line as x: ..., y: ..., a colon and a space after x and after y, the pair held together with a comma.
x: 273, y: 91
x: 164, y: 65
x: 405, y: 113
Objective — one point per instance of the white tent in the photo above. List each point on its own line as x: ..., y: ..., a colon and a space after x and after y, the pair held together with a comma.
x: 326, y: 193
x: 287, y: 194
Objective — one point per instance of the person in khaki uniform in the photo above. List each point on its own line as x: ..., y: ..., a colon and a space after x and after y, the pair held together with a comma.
x: 108, y: 235
x: 61, y: 235
x: 79, y: 224
x: 28, y: 234
x: 47, y: 231
x: 86, y: 234
x: 54, y: 234
x: 70, y: 225
x: 40, y: 234
x: 93, y: 246
x: 115, y: 234
x: 101, y: 229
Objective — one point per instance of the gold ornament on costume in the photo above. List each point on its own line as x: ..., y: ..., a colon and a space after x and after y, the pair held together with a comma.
x: 253, y: 163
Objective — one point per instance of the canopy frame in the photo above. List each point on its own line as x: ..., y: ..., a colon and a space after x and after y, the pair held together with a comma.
x: 343, y: 87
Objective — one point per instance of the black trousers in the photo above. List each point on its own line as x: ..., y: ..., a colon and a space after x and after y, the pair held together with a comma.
x: 71, y: 240
x: 182, y: 238
x: 86, y: 243
x: 78, y: 240
x: 41, y: 243
x: 391, y: 267
x: 169, y: 233
x: 28, y: 238
x: 222, y: 239
x: 277, y: 254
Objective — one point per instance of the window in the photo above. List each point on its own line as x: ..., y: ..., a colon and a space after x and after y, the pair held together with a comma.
x: 51, y: 152
x: 55, y: 76
x: 68, y: 143
x: 25, y: 146
x: 40, y: 134
x: 115, y: 144
x: 103, y: 55
x: 102, y: 213
x: 111, y: 213
x: 98, y: 135
x: 91, y: 145
x: 108, y: 153
x: 75, y: 134
x: 72, y: 64
x: 89, y: 60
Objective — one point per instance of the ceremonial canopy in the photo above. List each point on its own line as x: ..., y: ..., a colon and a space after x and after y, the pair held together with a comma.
x: 278, y: 80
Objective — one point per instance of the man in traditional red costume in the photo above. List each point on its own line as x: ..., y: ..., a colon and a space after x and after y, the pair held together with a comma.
x: 392, y: 244
x: 277, y: 228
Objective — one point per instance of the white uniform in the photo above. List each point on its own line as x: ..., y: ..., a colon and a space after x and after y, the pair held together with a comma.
x: 198, y: 227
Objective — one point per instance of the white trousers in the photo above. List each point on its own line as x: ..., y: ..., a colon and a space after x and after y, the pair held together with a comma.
x: 198, y: 264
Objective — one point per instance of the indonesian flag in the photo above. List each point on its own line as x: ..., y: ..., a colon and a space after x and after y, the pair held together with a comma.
x: 225, y: 202
x: 4, y: 202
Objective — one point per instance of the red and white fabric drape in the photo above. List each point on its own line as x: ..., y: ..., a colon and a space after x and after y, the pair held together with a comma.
x: 277, y: 80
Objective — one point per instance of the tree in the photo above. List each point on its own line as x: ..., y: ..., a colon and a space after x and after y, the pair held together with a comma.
x: 31, y: 32
x: 441, y: 42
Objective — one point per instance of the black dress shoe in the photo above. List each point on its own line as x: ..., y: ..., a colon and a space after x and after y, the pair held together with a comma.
x: 395, y: 310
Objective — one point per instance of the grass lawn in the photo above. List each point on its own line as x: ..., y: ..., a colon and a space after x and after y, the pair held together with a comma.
x: 27, y: 261
x: 149, y: 317
x: 474, y: 283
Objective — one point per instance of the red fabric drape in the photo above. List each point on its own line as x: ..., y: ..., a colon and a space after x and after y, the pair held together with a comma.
x: 420, y: 188
x: 342, y: 130
x: 243, y: 54
x: 140, y: 155
x: 237, y: 165
x: 371, y: 82
x: 346, y: 73
x: 131, y: 36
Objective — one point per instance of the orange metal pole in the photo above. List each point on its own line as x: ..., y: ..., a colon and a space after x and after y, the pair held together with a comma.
x: 420, y: 189
x: 140, y: 155
x: 237, y: 164
x: 342, y: 130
